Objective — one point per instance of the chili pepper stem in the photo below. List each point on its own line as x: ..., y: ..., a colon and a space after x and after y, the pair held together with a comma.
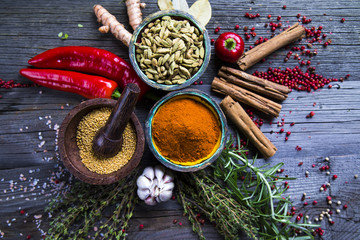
x: 230, y: 44
x: 116, y: 94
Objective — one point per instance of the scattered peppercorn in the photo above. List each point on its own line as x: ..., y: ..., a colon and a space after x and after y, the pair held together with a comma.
x: 141, y: 226
x: 342, y: 20
x: 237, y: 27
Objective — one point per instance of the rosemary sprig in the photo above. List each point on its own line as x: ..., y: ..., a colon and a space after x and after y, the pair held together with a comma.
x: 83, y: 211
x: 258, y: 189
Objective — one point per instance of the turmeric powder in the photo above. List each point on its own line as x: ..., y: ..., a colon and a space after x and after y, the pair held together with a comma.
x: 185, y: 131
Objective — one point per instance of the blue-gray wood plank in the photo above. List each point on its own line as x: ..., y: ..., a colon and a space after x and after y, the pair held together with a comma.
x: 29, y: 116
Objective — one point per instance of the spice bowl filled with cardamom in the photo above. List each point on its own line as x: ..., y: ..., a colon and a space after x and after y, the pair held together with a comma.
x: 186, y: 130
x: 76, y: 135
x: 170, y: 50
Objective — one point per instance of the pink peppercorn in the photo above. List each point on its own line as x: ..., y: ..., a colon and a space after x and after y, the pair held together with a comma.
x: 288, y: 133
x: 335, y: 176
x: 141, y: 226
x: 237, y: 27
x: 342, y: 20
x: 315, y: 202
x: 306, y: 203
x: 284, y: 7
x: 212, y: 41
x: 279, y: 18
x: 269, y: 16
x: 281, y: 130
x: 345, y: 206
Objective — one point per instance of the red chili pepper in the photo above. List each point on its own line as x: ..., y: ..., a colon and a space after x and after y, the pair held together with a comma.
x: 90, y: 60
x: 229, y: 47
x: 88, y: 86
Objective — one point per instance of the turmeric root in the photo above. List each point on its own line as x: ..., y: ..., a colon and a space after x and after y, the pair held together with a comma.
x: 109, y: 22
x: 134, y: 12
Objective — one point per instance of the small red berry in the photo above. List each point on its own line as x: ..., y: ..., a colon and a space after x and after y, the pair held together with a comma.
x: 298, y: 15
x: 300, y: 163
x: 174, y: 221
x: 141, y: 226
x: 313, y: 165
x: 330, y: 86
x: 269, y: 16
x: 180, y: 223
x: 345, y: 206
x: 315, y: 202
x: 298, y: 218
x: 293, y: 209
x: 335, y: 176
x: 306, y: 203
x: 281, y: 130
x: 22, y: 212
x: 342, y: 20
x: 292, y: 124
x: 279, y: 18
x: 328, y: 198
x: 212, y: 41
x: 28, y: 236
x: 237, y: 27
x: 286, y: 138
x: 288, y: 133
x: 284, y: 7
x: 123, y: 230
x: 216, y: 30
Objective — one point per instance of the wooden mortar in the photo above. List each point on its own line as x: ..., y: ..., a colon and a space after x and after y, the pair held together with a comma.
x: 69, y: 151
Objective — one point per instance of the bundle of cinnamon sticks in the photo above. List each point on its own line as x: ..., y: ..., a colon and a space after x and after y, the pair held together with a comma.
x: 253, y: 91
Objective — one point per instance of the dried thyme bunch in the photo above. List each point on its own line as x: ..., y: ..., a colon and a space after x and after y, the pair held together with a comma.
x: 85, y: 210
x: 198, y: 192
x: 239, y: 196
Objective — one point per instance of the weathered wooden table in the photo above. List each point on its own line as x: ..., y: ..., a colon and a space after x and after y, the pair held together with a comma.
x: 29, y: 117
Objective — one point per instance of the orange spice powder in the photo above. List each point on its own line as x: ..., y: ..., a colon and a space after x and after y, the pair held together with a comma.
x: 185, y: 131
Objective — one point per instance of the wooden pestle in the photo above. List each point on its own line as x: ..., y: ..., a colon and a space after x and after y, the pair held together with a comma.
x: 108, y: 140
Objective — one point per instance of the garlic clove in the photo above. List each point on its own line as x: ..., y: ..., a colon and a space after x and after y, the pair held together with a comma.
x: 143, y: 182
x: 164, y: 196
x: 168, y: 186
x: 143, y: 193
x: 159, y: 172
x: 168, y: 178
x: 149, y: 173
x: 150, y: 201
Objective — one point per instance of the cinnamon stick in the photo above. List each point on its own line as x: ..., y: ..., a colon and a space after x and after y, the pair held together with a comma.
x: 256, y: 84
x: 262, y: 50
x: 263, y: 104
x: 243, y: 122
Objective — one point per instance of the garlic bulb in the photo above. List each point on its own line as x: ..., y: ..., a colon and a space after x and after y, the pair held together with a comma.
x: 155, y: 185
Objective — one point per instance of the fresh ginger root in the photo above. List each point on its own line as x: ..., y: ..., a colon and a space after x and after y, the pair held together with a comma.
x: 134, y: 12
x: 109, y: 22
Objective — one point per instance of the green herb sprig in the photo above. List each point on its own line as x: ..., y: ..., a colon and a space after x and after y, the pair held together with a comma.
x: 237, y: 196
x: 198, y: 192
x: 261, y: 191
x: 85, y: 208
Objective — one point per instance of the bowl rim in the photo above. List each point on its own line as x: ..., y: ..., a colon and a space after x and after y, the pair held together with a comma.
x: 223, y: 124
x: 68, y: 158
x: 138, y: 31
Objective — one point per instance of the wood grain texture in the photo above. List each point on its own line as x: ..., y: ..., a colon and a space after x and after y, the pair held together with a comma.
x: 29, y: 117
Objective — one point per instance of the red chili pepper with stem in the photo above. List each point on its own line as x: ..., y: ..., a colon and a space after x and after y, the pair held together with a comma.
x: 88, y: 86
x: 90, y: 60
x: 229, y: 47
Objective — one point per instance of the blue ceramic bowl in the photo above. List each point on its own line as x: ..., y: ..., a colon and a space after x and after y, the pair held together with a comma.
x: 208, y: 102
x: 179, y: 15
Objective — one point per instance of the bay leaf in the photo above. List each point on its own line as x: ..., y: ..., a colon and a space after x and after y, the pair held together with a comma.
x: 181, y: 5
x: 165, y: 5
x: 201, y: 10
